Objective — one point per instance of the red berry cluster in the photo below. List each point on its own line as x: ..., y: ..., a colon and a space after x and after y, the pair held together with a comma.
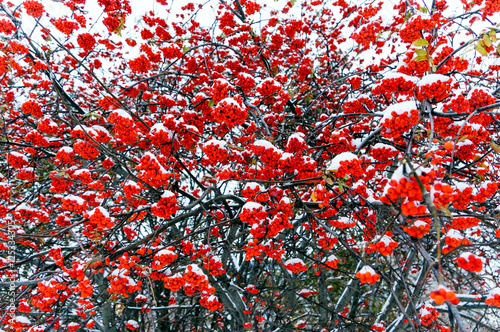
x: 85, y: 150
x: 131, y: 188
x: 160, y: 135
x: 17, y: 160
x: 296, y: 143
x: 56, y: 255
x: 412, y: 67
x: 166, y: 206
x: 33, y: 8
x: 196, y: 280
x: 211, y: 302
x: 253, y: 213
x: 253, y: 250
x: 58, y: 184
x: 342, y: 222
x: 331, y: 262
x: 458, y: 104
x: 132, y: 325
x: 367, y: 35
x: 48, y: 293
x: 86, y: 41
x: 253, y: 191
x: 346, y: 166
x: 175, y: 282
x: 74, y: 203
x: 493, y: 297
x: 428, y: 315
x: 171, y: 51
x: 27, y: 173
x: 454, y: 239
x: 214, y: 265
x: 230, y: 112
x: 385, y: 246
x: 267, y: 152
x: 216, y: 151
x: 268, y: 87
x: 400, y: 84
x: 36, y: 139
x: 98, y: 219
x: 418, y: 229
x: 464, y: 222
x: 62, y: 24
x: 4, y: 190
x: 437, y: 90
x: 399, y: 123
x: 443, y: 194
x: 367, y: 275
x: 462, y: 198
x: 490, y: 7
x: 47, y: 125
x: 120, y: 283
x: 359, y: 105
x: 278, y: 223
x: 469, y: 262
x: 466, y: 150
x: 84, y: 288
x: 123, y: 126
x: 378, y: 327
x: 338, y: 142
x: 381, y: 152
x: 487, y: 190
x: 295, y: 265
x: 442, y: 294
x: 65, y: 155
x: 152, y: 172
x: 24, y: 211
x: 413, y: 29
x: 82, y: 175
x: 33, y: 108
x: 409, y: 190
x: 220, y: 90
x: 245, y: 81
x: 163, y: 258
x: 140, y: 64
x: 326, y: 241
x: 258, y: 230
x: 479, y: 98
x: 453, y: 63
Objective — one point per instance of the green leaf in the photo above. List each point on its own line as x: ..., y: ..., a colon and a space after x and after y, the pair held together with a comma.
x: 498, y: 49
x: 481, y: 49
x: 185, y: 49
x: 487, y: 40
x: 293, y: 2
x: 92, y: 114
x: 118, y: 30
x: 341, y: 187
x: 447, y: 212
x: 420, y: 52
x: 421, y: 58
x: 423, y: 9
x: 493, y: 36
x: 420, y: 42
